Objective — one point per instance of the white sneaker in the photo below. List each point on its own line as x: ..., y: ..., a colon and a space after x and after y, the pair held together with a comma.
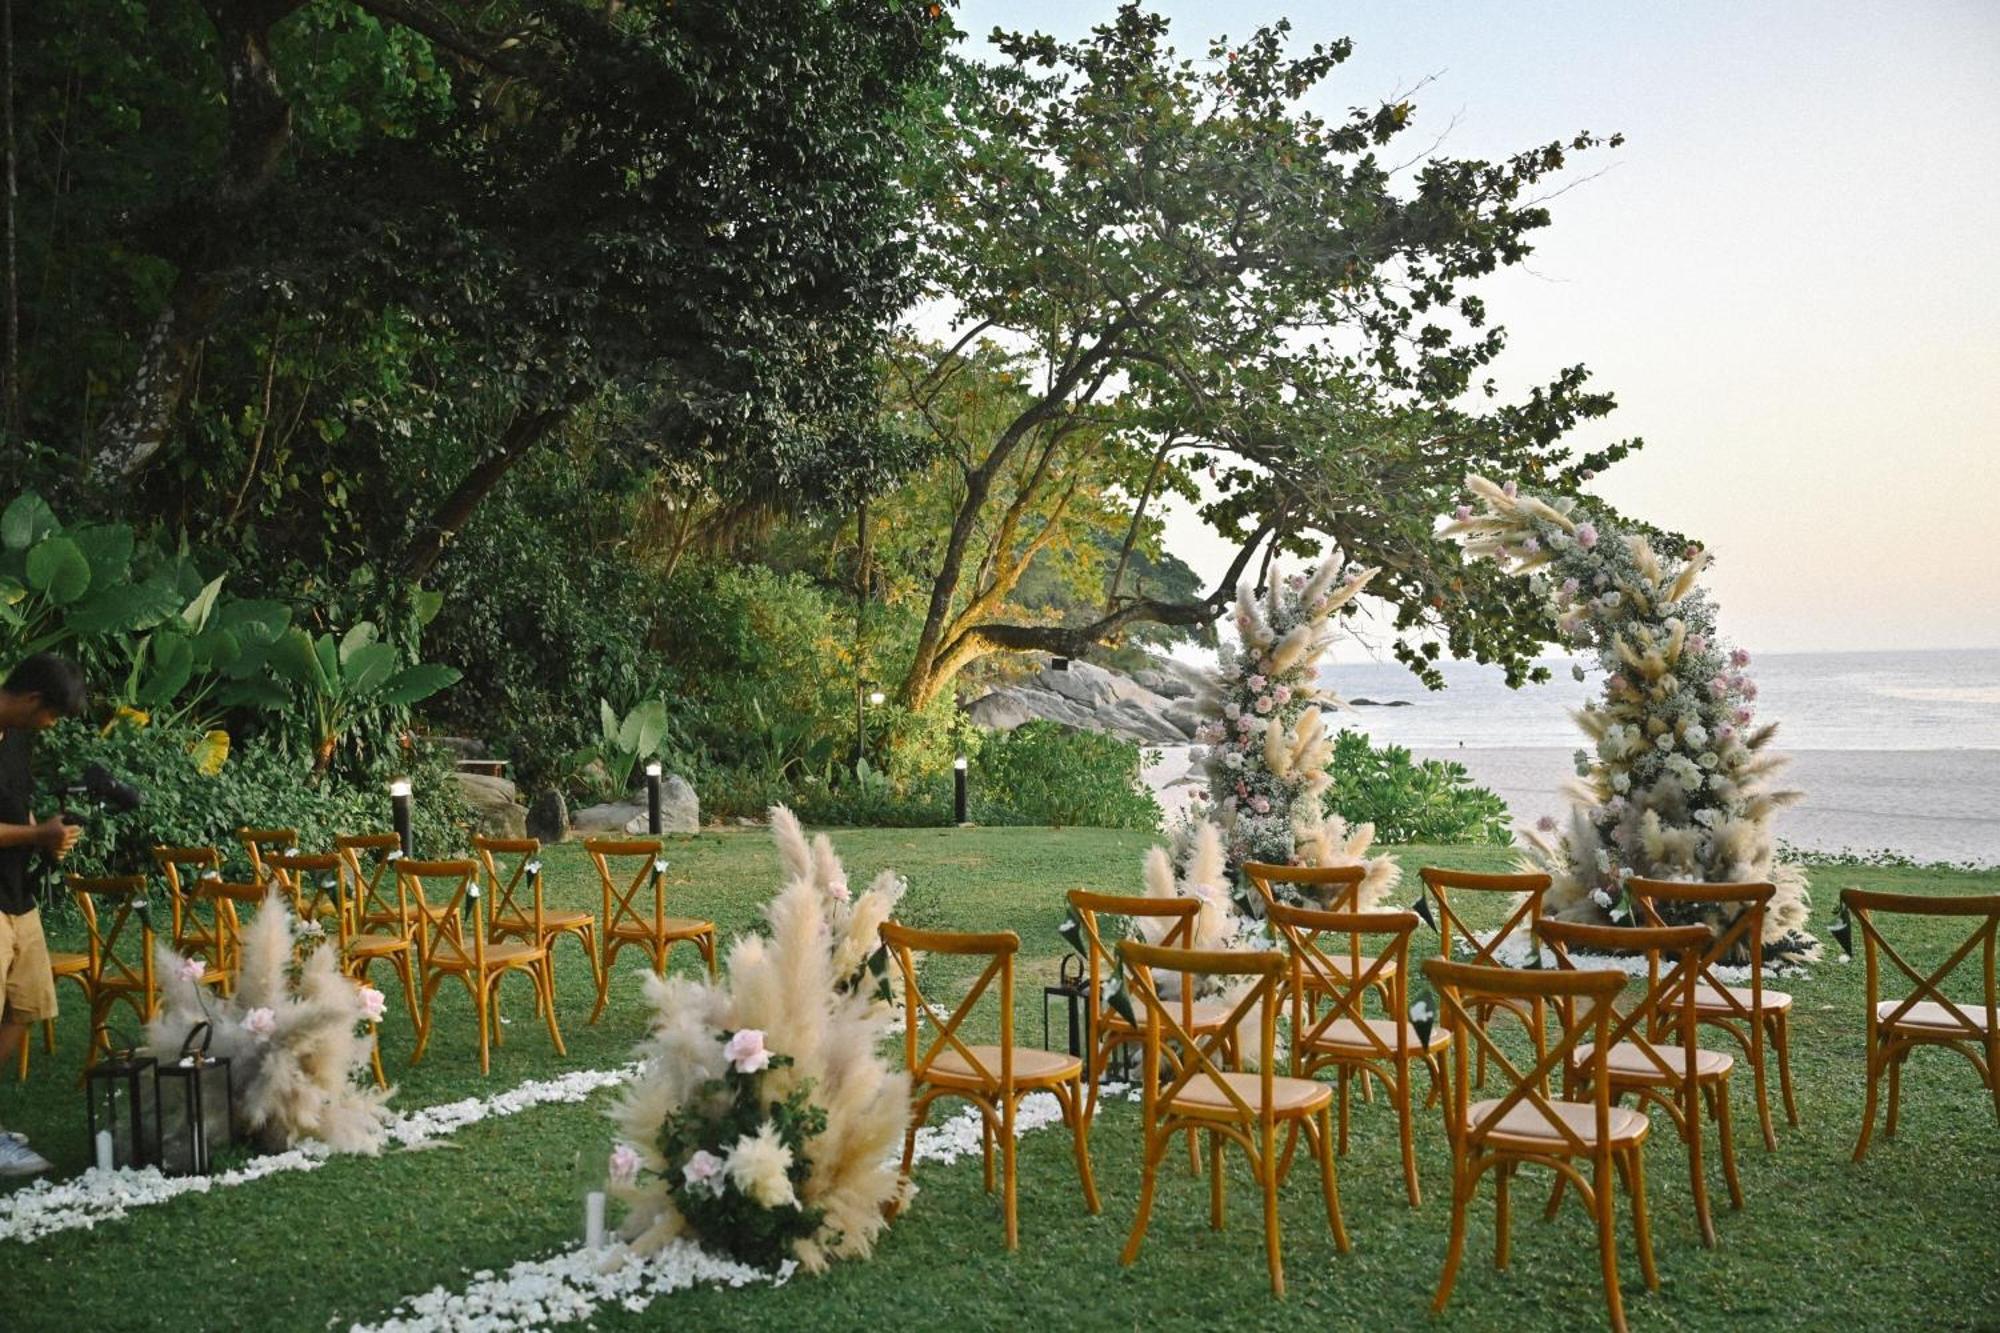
x: 18, y: 1159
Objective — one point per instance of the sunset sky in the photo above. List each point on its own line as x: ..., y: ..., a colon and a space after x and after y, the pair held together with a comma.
x: 1790, y: 276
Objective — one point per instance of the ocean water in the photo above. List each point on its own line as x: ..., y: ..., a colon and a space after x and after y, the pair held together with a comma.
x: 1897, y: 751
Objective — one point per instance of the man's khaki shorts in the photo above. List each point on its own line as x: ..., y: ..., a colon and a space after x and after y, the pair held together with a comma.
x: 25, y: 979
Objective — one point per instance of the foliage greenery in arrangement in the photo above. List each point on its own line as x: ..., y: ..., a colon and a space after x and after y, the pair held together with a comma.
x: 1677, y: 783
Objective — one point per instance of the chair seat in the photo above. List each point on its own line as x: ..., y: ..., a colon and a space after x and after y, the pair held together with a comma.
x: 1208, y: 1016
x: 69, y: 964
x: 507, y: 953
x: 566, y: 919
x: 406, y: 916
x: 376, y: 946
x: 1524, y: 1127
x: 1629, y: 1063
x: 1289, y: 1096
x: 1929, y: 1018
x: 666, y: 928
x: 1709, y: 1001
x: 1032, y: 1067
x: 1343, y: 1036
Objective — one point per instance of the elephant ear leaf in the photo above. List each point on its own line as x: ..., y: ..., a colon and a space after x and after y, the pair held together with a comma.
x: 195, y: 614
x: 173, y: 663
x: 356, y: 639
x: 607, y: 721
x: 366, y: 667
x: 643, y: 729
x: 57, y: 566
x: 414, y: 683
x: 26, y: 521
x: 295, y: 656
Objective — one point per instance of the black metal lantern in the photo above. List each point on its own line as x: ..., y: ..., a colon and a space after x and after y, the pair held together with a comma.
x: 1073, y: 987
x: 195, y: 1105
x: 121, y: 1133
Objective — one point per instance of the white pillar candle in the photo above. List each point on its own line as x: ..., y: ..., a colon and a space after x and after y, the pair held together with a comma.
x: 593, y: 1220
x: 103, y: 1150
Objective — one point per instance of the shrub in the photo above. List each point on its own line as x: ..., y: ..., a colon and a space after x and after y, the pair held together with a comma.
x: 1407, y: 801
x: 1047, y: 773
x: 258, y: 785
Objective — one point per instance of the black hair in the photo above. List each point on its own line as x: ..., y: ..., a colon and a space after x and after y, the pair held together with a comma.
x: 56, y: 681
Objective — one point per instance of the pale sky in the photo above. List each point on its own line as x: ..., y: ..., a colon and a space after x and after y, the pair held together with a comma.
x: 1790, y: 276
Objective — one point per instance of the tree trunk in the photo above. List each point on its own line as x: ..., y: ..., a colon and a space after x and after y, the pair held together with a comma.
x: 527, y: 430
x: 260, y: 130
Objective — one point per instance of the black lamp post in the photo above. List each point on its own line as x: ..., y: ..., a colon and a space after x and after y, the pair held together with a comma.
x: 653, y: 824
x: 958, y: 815
x: 121, y: 1133
x: 399, y: 809
x: 866, y: 695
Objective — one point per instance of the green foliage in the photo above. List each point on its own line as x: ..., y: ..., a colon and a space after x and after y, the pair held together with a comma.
x: 1433, y: 801
x: 342, y: 681
x: 1046, y: 773
x: 623, y: 741
x: 260, y: 785
x: 722, y: 1112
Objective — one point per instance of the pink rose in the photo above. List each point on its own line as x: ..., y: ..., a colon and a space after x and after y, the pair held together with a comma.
x: 1718, y: 687
x: 1725, y: 732
x: 624, y: 1164
x: 704, y: 1171
x: 1263, y: 703
x: 260, y: 1023
x: 1569, y: 590
x: 1742, y: 717
x: 1283, y: 694
x: 1262, y: 805
x: 1244, y: 723
x: 1697, y: 643
x: 1584, y: 474
x: 190, y: 969
x: 1739, y: 657
x: 1749, y: 688
x: 1512, y: 489
x: 1586, y: 535
x: 1295, y: 582
x: 1232, y: 711
x: 1242, y: 788
x: 1530, y: 546
x: 1257, y: 684
x: 1692, y: 551
x: 1617, y: 682
x: 1547, y: 823
x: 1463, y: 514
x: 373, y: 1002
x: 746, y: 1052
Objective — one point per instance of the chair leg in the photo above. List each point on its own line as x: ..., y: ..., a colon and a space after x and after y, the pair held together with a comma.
x: 1215, y: 1206
x: 1345, y: 1074
x: 1266, y: 1167
x: 1781, y: 1039
x: 604, y: 977
x: 1633, y: 1167
x: 1726, y: 1133
x: 545, y: 987
x: 481, y: 996
x: 1503, y: 1176
x: 1895, y: 1091
x: 1607, y: 1241
x: 1155, y: 1148
x: 1762, y: 1082
x: 1697, y: 1175
x: 375, y: 1054
x: 404, y: 972
x: 1319, y: 1139
x: 1461, y: 1200
x: 1080, y: 1134
x: 986, y: 1148
x: 1008, y: 1143
x: 424, y: 1018
x: 1868, y: 1107
x: 1406, y: 1131
x: 706, y: 943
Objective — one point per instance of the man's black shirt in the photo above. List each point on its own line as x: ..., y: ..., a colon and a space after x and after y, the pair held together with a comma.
x: 17, y: 786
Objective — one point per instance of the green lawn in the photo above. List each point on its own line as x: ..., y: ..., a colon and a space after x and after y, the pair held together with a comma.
x: 1909, y: 1239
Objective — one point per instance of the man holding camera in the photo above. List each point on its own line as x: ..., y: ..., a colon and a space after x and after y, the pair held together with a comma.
x: 37, y: 694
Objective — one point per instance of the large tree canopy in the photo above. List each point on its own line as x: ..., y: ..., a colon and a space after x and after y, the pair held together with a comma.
x: 266, y: 241
x: 1180, y: 256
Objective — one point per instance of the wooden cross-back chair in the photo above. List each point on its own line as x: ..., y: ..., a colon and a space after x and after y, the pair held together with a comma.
x: 1927, y: 1016
x: 630, y: 919
x: 991, y: 1078
x: 63, y: 966
x: 1231, y: 1105
x: 1524, y: 915
x: 515, y: 905
x: 1524, y: 1126
x: 197, y: 929
x: 382, y: 904
x: 1323, y: 888
x: 1754, y: 1016
x: 110, y: 906
x: 315, y: 885
x: 1653, y: 1052
x: 460, y: 949
x: 260, y: 843
x: 1330, y: 977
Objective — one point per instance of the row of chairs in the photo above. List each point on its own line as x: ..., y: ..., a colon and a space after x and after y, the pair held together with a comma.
x: 475, y: 920
x: 1210, y: 1066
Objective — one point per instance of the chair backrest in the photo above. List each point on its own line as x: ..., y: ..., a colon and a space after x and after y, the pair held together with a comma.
x: 1343, y: 973
x: 1584, y: 1003
x: 1673, y: 964
x: 316, y: 885
x: 108, y: 904
x: 453, y: 889
x: 371, y: 878
x: 1525, y: 914
x: 1179, y: 915
x: 1330, y: 888
x: 998, y: 947
x: 1207, y: 1057
x: 1981, y: 913
x: 183, y: 868
x: 1738, y: 910
x: 259, y: 843
x: 512, y: 868
x: 622, y: 905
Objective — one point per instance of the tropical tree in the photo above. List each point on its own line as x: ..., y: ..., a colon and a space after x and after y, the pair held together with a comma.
x: 1176, y: 255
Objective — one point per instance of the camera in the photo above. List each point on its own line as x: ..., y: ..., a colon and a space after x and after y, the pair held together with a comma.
x: 98, y: 783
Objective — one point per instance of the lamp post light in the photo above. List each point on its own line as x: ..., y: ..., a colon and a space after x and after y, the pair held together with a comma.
x: 866, y: 695
x: 653, y: 824
x: 958, y: 790
x: 399, y: 808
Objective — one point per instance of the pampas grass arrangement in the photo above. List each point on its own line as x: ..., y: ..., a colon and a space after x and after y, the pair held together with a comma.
x: 811, y: 992
x: 1678, y: 781
x: 1266, y: 744
x: 297, y: 1037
